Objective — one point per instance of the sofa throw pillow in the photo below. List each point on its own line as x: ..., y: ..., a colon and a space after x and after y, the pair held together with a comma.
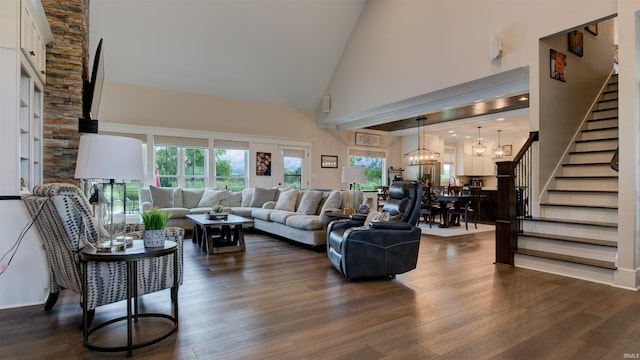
x: 375, y: 215
x: 309, y: 202
x: 212, y: 197
x: 191, y: 197
x: 262, y: 195
x: 247, y: 195
x: 235, y: 198
x: 287, y: 200
x: 161, y: 197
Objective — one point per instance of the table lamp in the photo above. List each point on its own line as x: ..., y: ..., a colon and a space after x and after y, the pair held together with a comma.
x: 353, y: 175
x: 110, y: 160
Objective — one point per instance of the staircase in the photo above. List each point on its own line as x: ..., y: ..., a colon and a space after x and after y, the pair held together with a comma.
x: 576, y: 233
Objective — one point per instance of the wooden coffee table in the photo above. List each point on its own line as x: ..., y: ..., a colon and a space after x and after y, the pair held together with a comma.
x: 230, y: 239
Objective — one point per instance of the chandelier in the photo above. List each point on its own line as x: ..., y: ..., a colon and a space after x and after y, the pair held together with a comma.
x: 498, y: 152
x: 479, y: 149
x: 421, y: 156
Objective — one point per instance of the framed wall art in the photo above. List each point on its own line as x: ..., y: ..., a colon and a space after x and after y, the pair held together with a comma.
x: 365, y: 139
x: 508, y: 150
x: 329, y: 161
x: 593, y: 28
x: 558, y: 63
x: 575, y: 42
x: 263, y: 164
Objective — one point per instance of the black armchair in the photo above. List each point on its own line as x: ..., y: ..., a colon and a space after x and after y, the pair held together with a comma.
x: 380, y: 248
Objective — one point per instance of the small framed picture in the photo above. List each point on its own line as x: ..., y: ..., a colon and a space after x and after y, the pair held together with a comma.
x: 263, y: 164
x: 558, y: 63
x: 507, y: 150
x: 575, y: 42
x: 593, y: 28
x: 329, y: 161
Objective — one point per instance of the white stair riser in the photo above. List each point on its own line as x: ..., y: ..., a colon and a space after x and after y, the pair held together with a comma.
x: 579, y: 214
x: 597, y: 145
x: 610, y: 96
x: 589, y: 157
x: 610, y: 104
x: 604, y: 114
x: 591, y: 125
x: 588, y: 251
x: 583, y: 198
x: 588, y: 170
x: 586, y: 184
x: 600, y: 134
x: 577, y: 271
x: 575, y: 230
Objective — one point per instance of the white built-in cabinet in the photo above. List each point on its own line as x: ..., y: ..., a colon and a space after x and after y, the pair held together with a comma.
x: 469, y: 165
x: 24, y: 33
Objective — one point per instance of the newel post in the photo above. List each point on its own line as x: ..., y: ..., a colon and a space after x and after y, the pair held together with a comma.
x: 506, y: 222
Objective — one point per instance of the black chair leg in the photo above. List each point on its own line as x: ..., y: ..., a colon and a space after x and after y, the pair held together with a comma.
x: 52, y: 299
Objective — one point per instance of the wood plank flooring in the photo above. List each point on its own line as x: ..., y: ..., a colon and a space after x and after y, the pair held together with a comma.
x: 282, y: 301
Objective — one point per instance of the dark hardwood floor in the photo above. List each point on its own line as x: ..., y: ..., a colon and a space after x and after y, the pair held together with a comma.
x: 282, y: 301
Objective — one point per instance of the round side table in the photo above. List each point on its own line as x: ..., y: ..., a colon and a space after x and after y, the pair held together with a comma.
x: 131, y: 256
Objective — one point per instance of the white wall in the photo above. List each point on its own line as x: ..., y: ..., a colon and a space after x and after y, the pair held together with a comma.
x: 564, y: 105
x: 130, y: 108
x: 405, y: 48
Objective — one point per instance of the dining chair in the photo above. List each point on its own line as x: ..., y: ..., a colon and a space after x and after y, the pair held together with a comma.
x: 429, y: 208
x: 468, y: 207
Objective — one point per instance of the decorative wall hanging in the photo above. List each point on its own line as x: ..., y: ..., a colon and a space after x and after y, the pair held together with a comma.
x: 593, y: 28
x: 575, y: 42
x: 365, y: 139
x: 558, y: 62
x: 329, y: 161
x: 263, y: 164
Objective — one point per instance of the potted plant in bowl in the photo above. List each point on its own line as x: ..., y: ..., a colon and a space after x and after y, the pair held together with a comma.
x: 154, y: 222
x: 217, y: 213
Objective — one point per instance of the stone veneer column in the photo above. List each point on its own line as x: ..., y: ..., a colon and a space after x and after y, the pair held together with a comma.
x: 69, y: 22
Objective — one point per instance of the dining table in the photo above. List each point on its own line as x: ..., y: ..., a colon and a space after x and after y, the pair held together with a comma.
x: 444, y: 199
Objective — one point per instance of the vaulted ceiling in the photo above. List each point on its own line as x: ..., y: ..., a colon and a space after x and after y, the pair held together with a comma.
x: 280, y: 52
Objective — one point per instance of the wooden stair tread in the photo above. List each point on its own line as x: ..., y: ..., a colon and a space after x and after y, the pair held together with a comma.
x: 594, y: 140
x: 602, y: 110
x: 602, y: 119
x: 575, y: 222
x: 600, y: 129
x: 589, y: 164
x: 607, y: 243
x: 584, y: 191
x: 598, y: 177
x: 590, y: 152
x: 581, y: 206
x: 568, y: 258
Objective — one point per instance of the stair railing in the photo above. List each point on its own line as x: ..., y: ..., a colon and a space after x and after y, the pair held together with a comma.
x: 514, y: 200
x: 614, y: 160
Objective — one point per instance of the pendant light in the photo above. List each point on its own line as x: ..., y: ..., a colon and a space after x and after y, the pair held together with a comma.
x: 421, y: 156
x: 479, y: 149
x: 498, y: 152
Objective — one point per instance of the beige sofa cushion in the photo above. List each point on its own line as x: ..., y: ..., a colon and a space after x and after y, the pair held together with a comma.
x: 247, y: 195
x: 191, y: 197
x: 309, y: 202
x: 280, y: 216
x: 213, y: 197
x: 305, y: 222
x: 262, y: 195
x: 287, y: 200
x: 162, y: 197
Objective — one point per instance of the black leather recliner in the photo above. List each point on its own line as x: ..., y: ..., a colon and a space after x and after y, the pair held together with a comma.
x: 381, y: 248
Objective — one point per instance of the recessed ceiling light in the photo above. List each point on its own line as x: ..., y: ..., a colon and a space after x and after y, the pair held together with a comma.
x: 499, y: 119
x: 454, y: 134
x: 523, y: 98
x: 451, y: 131
x: 468, y: 137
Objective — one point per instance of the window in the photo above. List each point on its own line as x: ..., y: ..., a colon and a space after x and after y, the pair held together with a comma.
x: 293, y: 160
x: 231, y: 168
x: 180, y: 162
x: 448, y: 165
x: 373, y: 162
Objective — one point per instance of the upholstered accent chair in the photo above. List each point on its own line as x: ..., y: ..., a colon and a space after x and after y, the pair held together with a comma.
x: 379, y: 248
x: 65, y: 222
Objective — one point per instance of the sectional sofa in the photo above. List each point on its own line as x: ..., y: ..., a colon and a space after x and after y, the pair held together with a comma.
x: 298, y: 215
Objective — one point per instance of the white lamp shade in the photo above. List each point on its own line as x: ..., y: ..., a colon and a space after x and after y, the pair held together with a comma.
x: 109, y: 157
x: 353, y: 174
